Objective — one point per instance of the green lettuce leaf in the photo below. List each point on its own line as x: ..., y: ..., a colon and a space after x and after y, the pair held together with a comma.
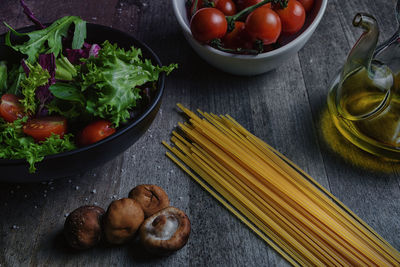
x: 49, y: 40
x: 65, y: 71
x: 15, y: 145
x: 15, y: 76
x: 3, y: 77
x: 68, y: 102
x: 37, y: 77
x: 110, y: 81
x: 68, y: 109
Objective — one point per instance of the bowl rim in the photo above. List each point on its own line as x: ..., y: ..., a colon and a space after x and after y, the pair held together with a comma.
x: 129, y: 125
x: 278, y: 51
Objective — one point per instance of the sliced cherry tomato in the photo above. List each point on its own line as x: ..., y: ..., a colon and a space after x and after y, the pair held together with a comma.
x: 95, y: 132
x: 242, y: 4
x: 263, y: 24
x: 307, y: 4
x: 10, y: 108
x: 42, y: 128
x: 238, y: 37
x: 292, y: 16
x: 227, y: 7
x: 208, y: 24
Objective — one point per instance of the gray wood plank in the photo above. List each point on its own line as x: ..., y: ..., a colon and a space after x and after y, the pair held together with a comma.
x: 284, y: 107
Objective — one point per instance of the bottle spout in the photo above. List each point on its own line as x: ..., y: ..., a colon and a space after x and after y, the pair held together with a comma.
x: 362, y: 52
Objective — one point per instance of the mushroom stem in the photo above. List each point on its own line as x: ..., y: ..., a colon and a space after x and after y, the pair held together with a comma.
x: 159, y: 222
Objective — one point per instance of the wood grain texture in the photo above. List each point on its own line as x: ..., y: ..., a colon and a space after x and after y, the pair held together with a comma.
x: 284, y: 107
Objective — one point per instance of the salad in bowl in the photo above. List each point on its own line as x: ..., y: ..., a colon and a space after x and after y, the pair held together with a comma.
x: 60, y: 92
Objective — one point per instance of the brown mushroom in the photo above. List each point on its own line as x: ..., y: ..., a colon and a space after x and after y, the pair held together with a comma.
x: 152, y: 198
x: 122, y: 220
x: 82, y: 228
x: 165, y: 231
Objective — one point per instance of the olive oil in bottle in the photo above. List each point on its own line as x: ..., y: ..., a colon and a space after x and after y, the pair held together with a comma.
x: 364, y: 99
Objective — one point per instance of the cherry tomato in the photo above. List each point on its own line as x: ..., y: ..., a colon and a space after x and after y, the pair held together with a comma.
x: 238, y: 37
x: 307, y: 4
x: 208, y: 24
x: 42, y: 128
x: 95, y: 132
x: 10, y: 108
x: 263, y: 24
x: 227, y: 7
x: 292, y: 16
x: 242, y: 4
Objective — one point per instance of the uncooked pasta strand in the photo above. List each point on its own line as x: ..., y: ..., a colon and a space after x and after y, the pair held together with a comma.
x: 234, y: 211
x: 300, y: 216
x: 313, y: 186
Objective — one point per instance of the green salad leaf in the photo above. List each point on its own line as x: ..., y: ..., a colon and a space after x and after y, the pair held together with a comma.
x: 65, y: 71
x: 3, y: 76
x: 49, y: 40
x: 68, y: 109
x: 14, y: 144
x: 110, y: 81
x: 79, y: 33
x: 15, y: 76
x: 67, y: 91
x: 37, y: 77
x: 68, y: 102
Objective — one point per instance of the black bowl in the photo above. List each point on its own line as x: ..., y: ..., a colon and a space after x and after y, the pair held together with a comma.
x: 82, y: 159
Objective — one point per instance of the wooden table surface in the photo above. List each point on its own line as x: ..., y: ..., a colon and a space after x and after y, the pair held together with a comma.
x: 285, y: 107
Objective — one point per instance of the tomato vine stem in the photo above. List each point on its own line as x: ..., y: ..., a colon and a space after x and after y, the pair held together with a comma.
x: 208, y: 3
x: 231, y: 19
x: 216, y: 43
x: 194, y: 9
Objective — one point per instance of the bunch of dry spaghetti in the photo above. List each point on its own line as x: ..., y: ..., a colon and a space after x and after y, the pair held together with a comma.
x: 279, y: 202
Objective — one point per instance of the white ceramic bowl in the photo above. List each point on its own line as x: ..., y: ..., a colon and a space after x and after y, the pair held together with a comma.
x: 250, y: 64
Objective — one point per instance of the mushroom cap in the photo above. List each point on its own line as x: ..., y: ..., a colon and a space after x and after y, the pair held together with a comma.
x: 152, y: 198
x: 165, y: 231
x: 82, y: 228
x: 122, y: 220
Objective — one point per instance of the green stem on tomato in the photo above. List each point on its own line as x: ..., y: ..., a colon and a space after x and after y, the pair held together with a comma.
x: 231, y: 19
x: 208, y: 4
x: 259, y: 46
x: 216, y: 43
x: 194, y: 9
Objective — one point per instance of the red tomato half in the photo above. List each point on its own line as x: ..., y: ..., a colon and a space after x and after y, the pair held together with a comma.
x: 10, y: 108
x: 263, y: 24
x: 292, y: 16
x: 42, y: 128
x: 95, y: 132
x: 208, y: 24
x: 227, y: 7
x: 307, y: 4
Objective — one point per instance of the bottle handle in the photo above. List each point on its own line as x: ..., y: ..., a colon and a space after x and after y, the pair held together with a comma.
x: 394, y: 37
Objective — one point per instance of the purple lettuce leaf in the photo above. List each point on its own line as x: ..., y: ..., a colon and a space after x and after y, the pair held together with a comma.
x: 94, y: 50
x: 48, y: 62
x: 67, y: 40
x: 74, y: 55
x: 30, y: 15
x: 25, y: 67
x: 43, y: 94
